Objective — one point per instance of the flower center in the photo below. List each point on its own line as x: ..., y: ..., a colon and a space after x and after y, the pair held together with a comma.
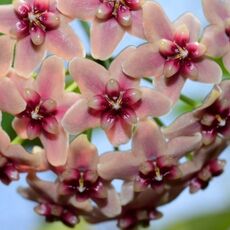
x: 35, y: 20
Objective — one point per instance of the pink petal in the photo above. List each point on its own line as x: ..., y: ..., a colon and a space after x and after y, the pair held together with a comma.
x: 226, y: 61
x: 153, y: 103
x: 119, y: 133
x: 136, y: 27
x: 127, y: 192
x: 27, y: 56
x: 8, y: 18
x: 20, y: 127
x: 208, y: 71
x: 150, y: 64
x: 78, y: 119
x: 10, y: 100
x: 148, y: 141
x: 64, y: 42
x: 6, y: 54
x: 103, y: 45
x: 127, y: 163
x: 215, y: 10
x: 4, y: 140
x: 216, y: 40
x: 180, y: 146
x: 116, y: 72
x: 156, y: 22
x: 192, y: 23
x: 90, y: 76
x: 82, y: 154
x: 50, y: 82
x: 84, y: 10
x: 56, y: 147
x: 113, y: 206
x: 170, y: 87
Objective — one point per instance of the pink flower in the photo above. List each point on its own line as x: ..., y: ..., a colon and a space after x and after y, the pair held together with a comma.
x: 6, y: 54
x: 217, y: 35
x: 152, y: 162
x: 212, y: 119
x: 38, y: 26
x: 81, y: 180
x: 111, y: 100
x: 15, y: 160
x: 111, y: 19
x: 39, y: 105
x: 172, y: 53
x: 50, y: 205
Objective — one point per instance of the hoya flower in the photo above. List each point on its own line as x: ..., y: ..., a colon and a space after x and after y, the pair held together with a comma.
x: 15, y: 160
x: 50, y: 205
x: 172, y: 54
x: 81, y: 180
x: 43, y: 104
x: 110, y: 20
x: 6, y: 54
x: 217, y: 35
x: 37, y: 26
x: 111, y: 100
x: 211, y: 119
x: 152, y: 162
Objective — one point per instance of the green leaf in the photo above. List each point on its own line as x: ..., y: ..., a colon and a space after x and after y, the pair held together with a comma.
x: 5, y: 2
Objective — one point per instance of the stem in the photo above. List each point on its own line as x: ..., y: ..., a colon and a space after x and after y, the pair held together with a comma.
x: 188, y: 100
x: 89, y: 134
x: 71, y: 87
x: 159, y: 121
x: 116, y: 148
x: 17, y: 140
x: 86, y: 28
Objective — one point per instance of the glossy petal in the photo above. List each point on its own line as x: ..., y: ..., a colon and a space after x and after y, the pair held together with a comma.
x: 105, y: 36
x: 208, y: 71
x: 82, y: 154
x: 84, y: 10
x: 116, y: 72
x: 27, y: 56
x: 78, y: 119
x: 156, y: 22
x: 10, y: 100
x: 153, y: 103
x: 6, y: 54
x: 20, y: 127
x: 127, y: 165
x: 192, y: 23
x: 50, y: 82
x: 148, y: 141
x: 127, y: 192
x: 64, y: 42
x: 56, y: 147
x: 90, y: 76
x: 226, y: 61
x: 151, y: 62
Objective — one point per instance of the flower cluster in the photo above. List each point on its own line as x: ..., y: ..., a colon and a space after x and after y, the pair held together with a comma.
x: 55, y: 107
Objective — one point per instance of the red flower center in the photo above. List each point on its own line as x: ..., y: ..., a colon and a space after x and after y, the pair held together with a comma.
x: 35, y: 20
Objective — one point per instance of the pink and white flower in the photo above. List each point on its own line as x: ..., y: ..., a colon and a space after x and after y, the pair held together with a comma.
x: 172, y: 54
x: 111, y: 100
x: 217, y: 35
x: 38, y: 26
x: 111, y: 19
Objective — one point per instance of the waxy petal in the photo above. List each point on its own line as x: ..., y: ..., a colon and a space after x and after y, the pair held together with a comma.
x: 20, y: 127
x: 90, y: 76
x: 56, y: 147
x: 64, y: 42
x: 33, y: 130
x: 82, y: 154
x: 10, y: 100
x: 148, y: 141
x: 6, y: 54
x: 84, y: 10
x: 50, y: 125
x: 171, y: 68
x: 208, y: 71
x: 50, y: 82
x: 27, y: 56
x: 150, y: 64
x: 226, y: 61
x: 37, y: 36
x: 156, y: 22
x: 105, y: 36
x: 78, y: 118
x: 152, y: 103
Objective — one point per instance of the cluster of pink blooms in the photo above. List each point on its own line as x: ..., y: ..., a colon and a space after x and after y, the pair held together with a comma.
x: 162, y: 161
